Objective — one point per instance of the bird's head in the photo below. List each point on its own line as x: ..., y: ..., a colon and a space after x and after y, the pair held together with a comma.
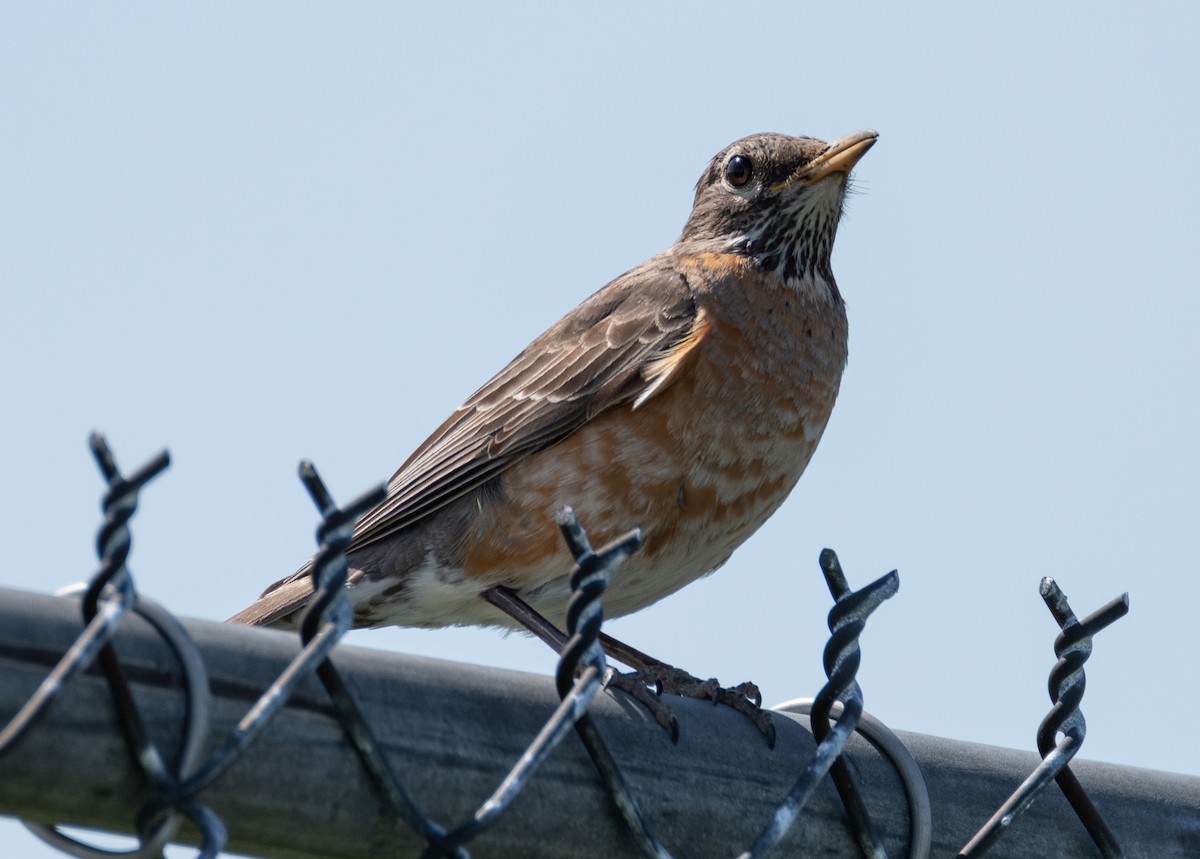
x: 777, y: 199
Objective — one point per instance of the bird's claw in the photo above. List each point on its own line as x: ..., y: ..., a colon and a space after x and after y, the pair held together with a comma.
x: 649, y: 698
x: 744, y: 698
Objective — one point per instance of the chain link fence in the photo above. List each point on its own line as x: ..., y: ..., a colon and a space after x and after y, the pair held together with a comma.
x: 173, y: 782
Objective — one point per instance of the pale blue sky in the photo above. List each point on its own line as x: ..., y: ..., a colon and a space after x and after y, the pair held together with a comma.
x: 259, y: 232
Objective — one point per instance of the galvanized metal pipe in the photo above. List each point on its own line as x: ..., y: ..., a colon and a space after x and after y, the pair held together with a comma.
x: 454, y: 730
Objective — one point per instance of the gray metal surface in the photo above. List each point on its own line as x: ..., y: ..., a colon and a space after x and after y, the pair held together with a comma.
x: 453, y: 730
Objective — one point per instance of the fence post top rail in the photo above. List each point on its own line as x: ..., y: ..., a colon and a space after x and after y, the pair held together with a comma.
x: 80, y: 774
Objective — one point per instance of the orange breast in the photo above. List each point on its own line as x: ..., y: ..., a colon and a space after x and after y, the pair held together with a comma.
x: 699, y: 466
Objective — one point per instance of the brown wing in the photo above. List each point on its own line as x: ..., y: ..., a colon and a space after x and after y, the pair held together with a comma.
x: 616, y: 346
x: 622, y: 344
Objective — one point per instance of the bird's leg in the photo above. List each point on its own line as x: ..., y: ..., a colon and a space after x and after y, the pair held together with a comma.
x: 647, y: 670
x: 507, y: 601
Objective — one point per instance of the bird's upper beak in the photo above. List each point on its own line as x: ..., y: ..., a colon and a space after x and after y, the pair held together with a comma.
x: 839, y: 157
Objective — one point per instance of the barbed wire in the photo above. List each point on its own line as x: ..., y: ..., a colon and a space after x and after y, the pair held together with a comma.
x: 177, y: 785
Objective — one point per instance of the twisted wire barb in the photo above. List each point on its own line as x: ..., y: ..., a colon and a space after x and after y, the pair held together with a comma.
x: 579, y: 676
x: 584, y: 619
x: 326, y: 620
x: 182, y: 793
x: 107, y: 599
x: 112, y: 580
x: 842, y: 656
x: 1072, y: 646
x: 112, y: 545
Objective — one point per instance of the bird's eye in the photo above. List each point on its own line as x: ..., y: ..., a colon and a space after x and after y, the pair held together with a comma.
x: 738, y: 170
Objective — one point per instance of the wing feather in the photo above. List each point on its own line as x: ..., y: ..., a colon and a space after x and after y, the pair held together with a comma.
x: 620, y: 345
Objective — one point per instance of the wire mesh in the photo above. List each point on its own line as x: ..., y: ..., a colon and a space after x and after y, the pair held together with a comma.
x: 177, y: 784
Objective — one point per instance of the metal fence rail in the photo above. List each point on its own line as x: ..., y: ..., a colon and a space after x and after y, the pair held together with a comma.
x: 453, y: 730
x: 246, y: 738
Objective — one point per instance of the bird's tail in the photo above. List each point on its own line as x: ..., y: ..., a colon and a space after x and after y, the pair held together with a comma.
x: 281, y: 604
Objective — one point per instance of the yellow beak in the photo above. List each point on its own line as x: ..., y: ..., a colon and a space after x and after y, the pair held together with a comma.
x: 840, y: 157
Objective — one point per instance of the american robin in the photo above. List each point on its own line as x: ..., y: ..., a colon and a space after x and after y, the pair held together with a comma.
x: 685, y: 397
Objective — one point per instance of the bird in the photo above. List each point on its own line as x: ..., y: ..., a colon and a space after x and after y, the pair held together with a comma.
x: 685, y: 398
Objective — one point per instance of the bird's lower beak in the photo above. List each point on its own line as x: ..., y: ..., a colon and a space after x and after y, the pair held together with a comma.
x: 840, y: 157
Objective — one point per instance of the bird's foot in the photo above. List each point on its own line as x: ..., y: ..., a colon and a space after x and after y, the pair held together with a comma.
x: 650, y: 678
x: 650, y: 681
